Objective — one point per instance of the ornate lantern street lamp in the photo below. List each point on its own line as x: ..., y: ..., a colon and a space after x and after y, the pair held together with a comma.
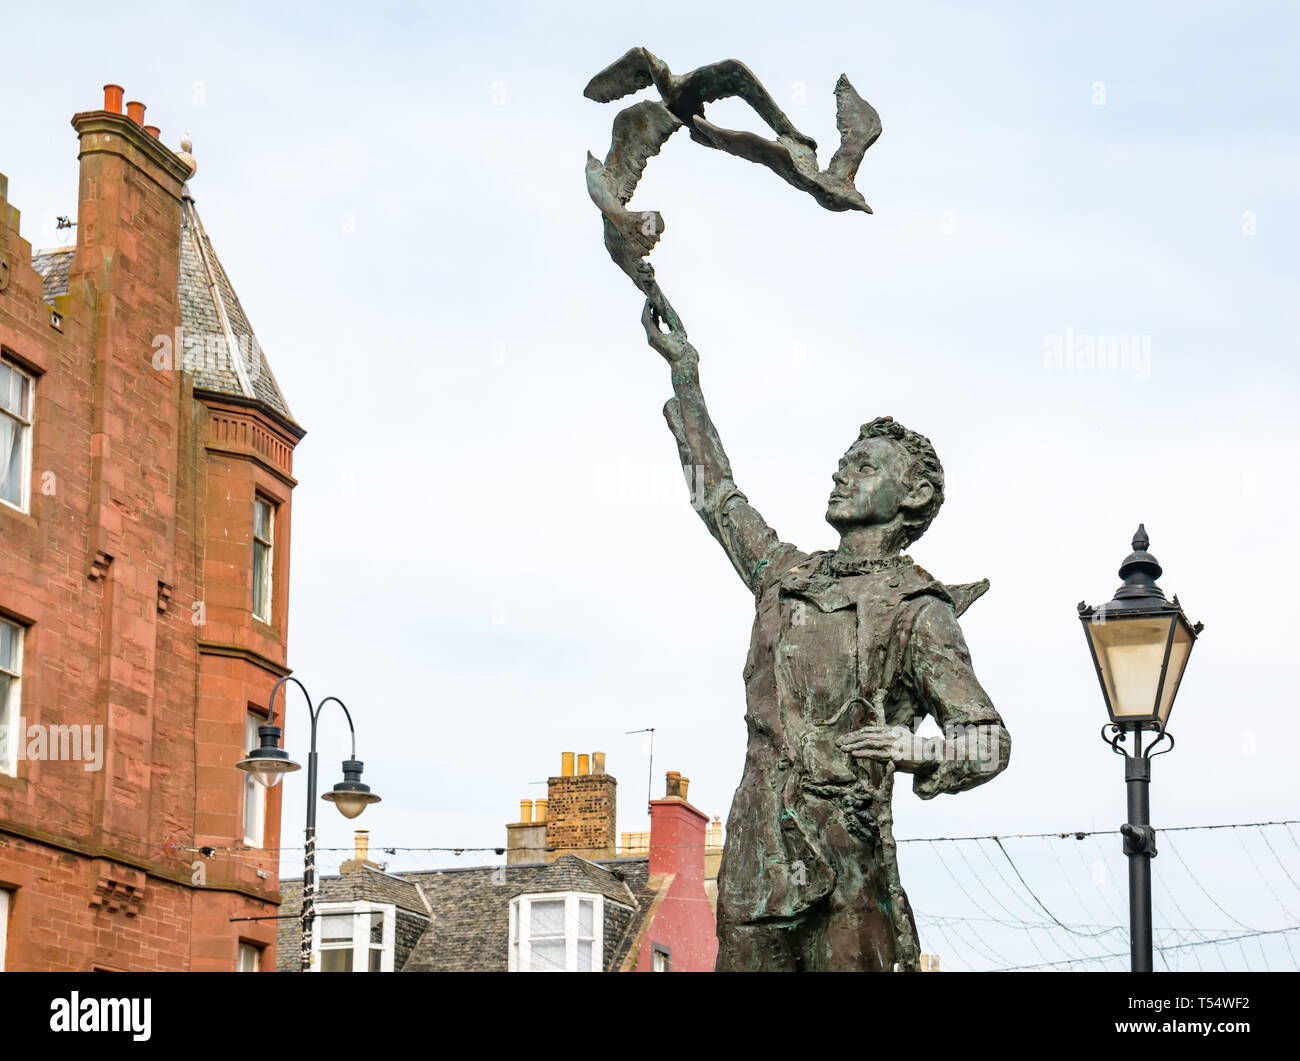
x: 269, y: 763
x: 1140, y: 644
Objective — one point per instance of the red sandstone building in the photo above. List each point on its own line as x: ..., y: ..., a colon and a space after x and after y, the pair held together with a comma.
x: 145, y: 494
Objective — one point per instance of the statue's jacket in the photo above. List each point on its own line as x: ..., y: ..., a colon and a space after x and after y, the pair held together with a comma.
x: 824, y: 649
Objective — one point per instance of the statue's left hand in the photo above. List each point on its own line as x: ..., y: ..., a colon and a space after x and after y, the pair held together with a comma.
x: 896, y: 744
x: 671, y: 345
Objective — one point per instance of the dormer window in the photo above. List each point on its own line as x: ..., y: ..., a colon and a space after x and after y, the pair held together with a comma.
x: 557, y: 932
x: 263, y: 556
x: 355, y: 937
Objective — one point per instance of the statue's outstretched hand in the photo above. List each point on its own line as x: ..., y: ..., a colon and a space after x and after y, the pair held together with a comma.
x: 672, y: 345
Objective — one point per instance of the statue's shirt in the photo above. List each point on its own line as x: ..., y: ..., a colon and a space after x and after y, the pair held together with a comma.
x: 823, y: 648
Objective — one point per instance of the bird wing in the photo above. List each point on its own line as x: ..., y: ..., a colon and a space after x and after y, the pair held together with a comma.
x: 625, y: 75
x: 859, y: 126
x: 639, y: 132
x: 783, y: 157
x: 733, y: 78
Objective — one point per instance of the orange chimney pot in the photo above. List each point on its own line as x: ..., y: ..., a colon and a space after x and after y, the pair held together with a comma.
x: 113, y: 98
x: 135, y: 111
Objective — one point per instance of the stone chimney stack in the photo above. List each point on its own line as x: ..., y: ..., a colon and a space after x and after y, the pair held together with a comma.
x: 581, y: 809
x: 526, y: 838
x: 360, y: 853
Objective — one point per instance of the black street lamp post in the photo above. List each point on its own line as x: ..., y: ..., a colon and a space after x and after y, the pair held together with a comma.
x: 269, y: 763
x: 1140, y: 644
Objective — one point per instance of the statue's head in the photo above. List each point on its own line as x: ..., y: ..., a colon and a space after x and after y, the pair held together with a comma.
x: 890, y: 475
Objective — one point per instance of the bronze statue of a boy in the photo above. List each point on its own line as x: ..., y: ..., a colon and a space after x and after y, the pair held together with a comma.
x: 850, y: 650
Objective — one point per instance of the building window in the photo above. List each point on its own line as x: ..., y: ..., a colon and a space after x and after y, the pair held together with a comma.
x: 250, y: 958
x: 254, y: 793
x: 4, y: 925
x: 661, y: 958
x: 354, y: 937
x: 263, y: 543
x: 11, y: 673
x: 557, y: 932
x: 16, y: 388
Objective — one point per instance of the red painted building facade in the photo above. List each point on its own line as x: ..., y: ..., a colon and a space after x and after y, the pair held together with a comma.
x: 144, y: 559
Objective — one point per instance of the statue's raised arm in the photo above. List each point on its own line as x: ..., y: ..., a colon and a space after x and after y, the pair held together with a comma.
x: 749, y: 542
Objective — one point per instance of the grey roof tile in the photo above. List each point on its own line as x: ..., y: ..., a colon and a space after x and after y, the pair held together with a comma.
x: 468, y: 930
x: 53, y: 265
x: 204, y: 291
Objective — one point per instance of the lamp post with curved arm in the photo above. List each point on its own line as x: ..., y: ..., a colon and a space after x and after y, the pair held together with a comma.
x: 1140, y: 645
x: 269, y: 763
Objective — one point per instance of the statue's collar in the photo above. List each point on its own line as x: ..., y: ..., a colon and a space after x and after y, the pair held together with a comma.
x: 870, y: 566
x: 896, y: 577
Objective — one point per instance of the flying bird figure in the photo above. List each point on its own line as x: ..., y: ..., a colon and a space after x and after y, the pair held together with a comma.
x: 639, y: 132
x: 685, y: 96
x: 791, y: 158
x: 642, y: 129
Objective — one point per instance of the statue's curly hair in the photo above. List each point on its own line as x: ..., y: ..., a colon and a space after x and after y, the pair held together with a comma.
x: 925, y: 466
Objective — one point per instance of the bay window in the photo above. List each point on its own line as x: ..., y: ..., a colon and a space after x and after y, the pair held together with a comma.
x: 557, y: 932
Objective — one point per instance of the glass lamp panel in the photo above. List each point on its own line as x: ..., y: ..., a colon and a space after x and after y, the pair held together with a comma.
x: 1130, y: 653
x: 349, y: 805
x: 268, y: 778
x: 1178, y: 653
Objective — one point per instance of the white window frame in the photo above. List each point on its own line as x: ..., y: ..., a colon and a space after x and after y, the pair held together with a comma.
x: 24, y: 419
x: 520, y: 944
x: 268, y: 568
x: 252, y: 788
x: 360, y: 934
x: 5, y: 896
x: 254, y: 952
x: 11, y: 712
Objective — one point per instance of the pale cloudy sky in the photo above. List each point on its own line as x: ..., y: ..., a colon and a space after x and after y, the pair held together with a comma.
x: 494, y: 559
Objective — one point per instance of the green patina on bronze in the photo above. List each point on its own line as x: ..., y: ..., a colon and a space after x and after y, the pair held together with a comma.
x: 852, y: 647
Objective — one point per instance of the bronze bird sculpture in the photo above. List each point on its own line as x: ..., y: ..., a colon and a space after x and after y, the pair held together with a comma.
x: 642, y: 129
x: 791, y: 159
x: 685, y: 96
x: 639, y: 132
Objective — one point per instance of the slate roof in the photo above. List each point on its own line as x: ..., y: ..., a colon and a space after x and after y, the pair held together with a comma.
x: 53, y: 265
x: 205, y: 295
x: 468, y: 929
x: 211, y: 315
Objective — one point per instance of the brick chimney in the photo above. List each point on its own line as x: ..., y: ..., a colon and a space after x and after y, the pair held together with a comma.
x: 581, y: 809
x: 677, y: 833
x: 682, y: 913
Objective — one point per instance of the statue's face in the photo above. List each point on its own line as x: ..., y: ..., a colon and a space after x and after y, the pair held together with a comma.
x: 869, y: 484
